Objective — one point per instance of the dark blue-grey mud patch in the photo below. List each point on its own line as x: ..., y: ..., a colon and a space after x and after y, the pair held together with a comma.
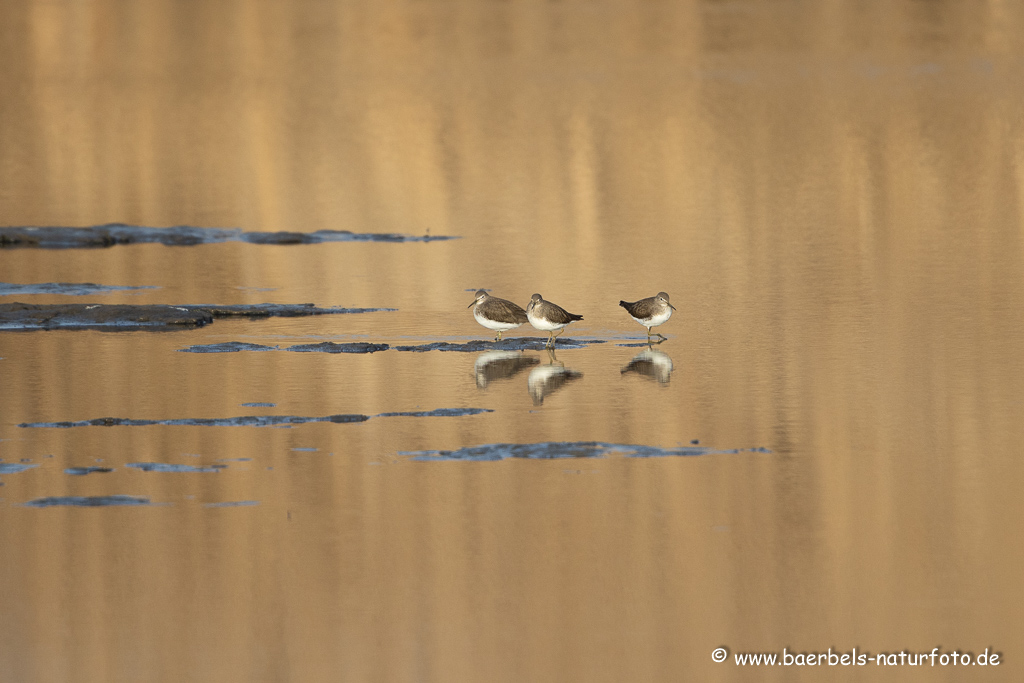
x: 14, y: 468
x: 113, y: 234
x: 244, y: 421
x: 228, y: 347
x: 476, y: 346
x: 119, y: 317
x: 331, y: 347
x: 258, y: 404
x: 553, y: 450
x: 251, y: 420
x: 82, y: 471
x: 63, y: 288
x: 87, y: 501
x: 440, y: 412
x: 168, y: 467
x: 278, y: 310
x: 233, y: 504
x: 517, y: 344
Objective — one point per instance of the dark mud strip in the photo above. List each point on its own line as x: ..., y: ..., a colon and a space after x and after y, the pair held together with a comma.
x: 519, y: 344
x: 558, y: 450
x: 65, y: 288
x: 20, y: 316
x: 14, y: 468
x: 246, y: 421
x: 331, y: 347
x: 257, y: 404
x: 639, y: 344
x: 233, y: 504
x: 250, y: 420
x: 82, y: 471
x: 528, y: 344
x: 440, y: 412
x: 229, y: 347
x: 181, y: 236
x: 277, y: 310
x: 87, y: 501
x: 166, y: 467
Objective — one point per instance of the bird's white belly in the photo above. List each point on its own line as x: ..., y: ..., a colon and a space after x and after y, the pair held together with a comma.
x: 494, y: 324
x: 543, y: 323
x: 654, y: 320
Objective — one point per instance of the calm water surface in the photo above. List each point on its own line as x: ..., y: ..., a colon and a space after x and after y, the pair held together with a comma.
x: 832, y: 193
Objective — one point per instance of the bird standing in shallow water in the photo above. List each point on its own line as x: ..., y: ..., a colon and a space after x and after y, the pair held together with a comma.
x: 496, y: 314
x: 650, y: 312
x: 549, y: 317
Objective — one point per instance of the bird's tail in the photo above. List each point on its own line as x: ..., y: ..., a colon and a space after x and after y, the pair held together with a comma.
x: 623, y: 304
x: 576, y: 317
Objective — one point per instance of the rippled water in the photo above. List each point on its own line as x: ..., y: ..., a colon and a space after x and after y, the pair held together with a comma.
x: 824, y: 454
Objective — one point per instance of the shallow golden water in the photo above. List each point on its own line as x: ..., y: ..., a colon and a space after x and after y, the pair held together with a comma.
x: 832, y: 193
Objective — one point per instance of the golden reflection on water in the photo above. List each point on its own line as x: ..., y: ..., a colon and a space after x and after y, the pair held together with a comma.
x: 831, y: 193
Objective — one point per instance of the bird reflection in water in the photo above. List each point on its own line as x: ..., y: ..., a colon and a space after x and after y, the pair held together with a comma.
x: 495, y: 365
x: 650, y: 363
x: 547, y: 379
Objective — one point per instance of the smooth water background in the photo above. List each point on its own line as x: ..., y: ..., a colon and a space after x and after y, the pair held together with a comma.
x: 832, y: 193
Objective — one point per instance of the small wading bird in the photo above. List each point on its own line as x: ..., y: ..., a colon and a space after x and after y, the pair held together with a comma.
x: 548, y: 317
x: 496, y: 314
x: 650, y: 312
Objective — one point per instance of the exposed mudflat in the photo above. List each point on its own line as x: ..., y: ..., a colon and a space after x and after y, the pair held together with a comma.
x: 82, y: 471
x: 87, y: 501
x: 331, y: 347
x: 116, y: 317
x: 476, y: 346
x: 101, y: 236
x: 517, y: 344
x: 643, y: 343
x: 228, y: 347
x: 250, y: 420
x: 168, y: 467
x: 439, y: 412
x: 64, y: 288
x: 14, y: 468
x: 278, y: 310
x: 562, y: 449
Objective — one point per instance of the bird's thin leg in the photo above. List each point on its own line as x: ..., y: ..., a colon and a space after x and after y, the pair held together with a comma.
x: 648, y: 334
x: 498, y: 338
x: 663, y: 337
x: 551, y: 339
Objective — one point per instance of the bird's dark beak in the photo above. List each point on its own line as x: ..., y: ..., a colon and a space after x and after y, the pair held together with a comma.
x: 472, y: 304
x: 671, y: 306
